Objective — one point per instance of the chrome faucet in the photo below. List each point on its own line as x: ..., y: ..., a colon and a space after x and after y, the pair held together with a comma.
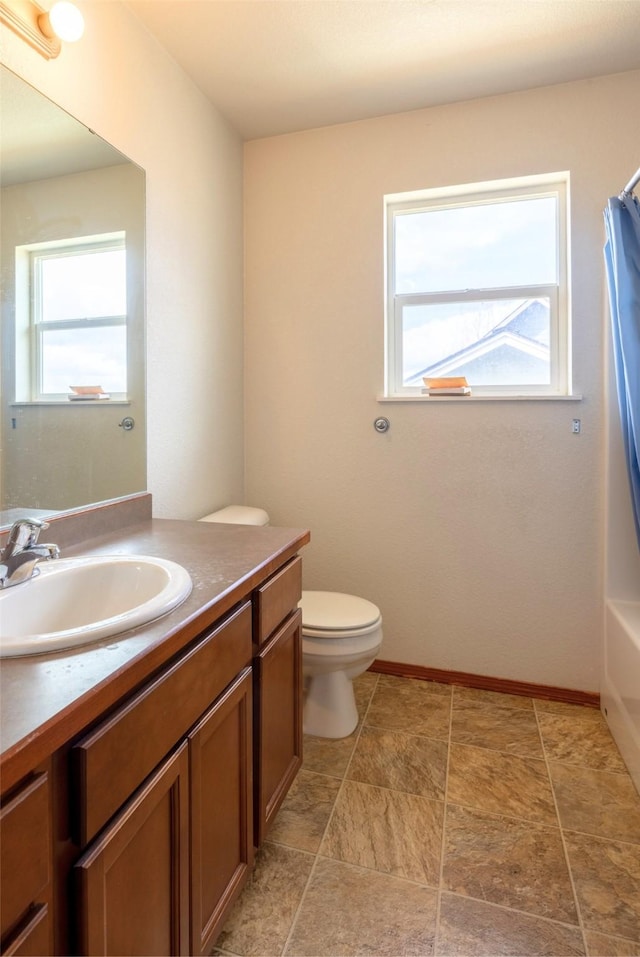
x: 22, y: 552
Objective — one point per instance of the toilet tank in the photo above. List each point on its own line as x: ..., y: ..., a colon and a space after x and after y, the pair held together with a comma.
x: 238, y: 515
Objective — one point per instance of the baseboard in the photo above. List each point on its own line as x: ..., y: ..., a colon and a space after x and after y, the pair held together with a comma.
x: 590, y: 699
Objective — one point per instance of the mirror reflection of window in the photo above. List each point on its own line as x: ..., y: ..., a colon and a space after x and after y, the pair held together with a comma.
x: 78, y: 316
x: 62, y: 185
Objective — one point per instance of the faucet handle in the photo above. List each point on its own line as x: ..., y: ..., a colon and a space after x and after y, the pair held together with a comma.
x: 24, y: 533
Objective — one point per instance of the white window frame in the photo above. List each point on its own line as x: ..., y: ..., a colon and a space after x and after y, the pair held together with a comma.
x: 37, y: 254
x: 553, y: 184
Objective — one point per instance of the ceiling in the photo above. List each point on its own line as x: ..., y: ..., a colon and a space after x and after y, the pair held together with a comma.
x: 276, y: 66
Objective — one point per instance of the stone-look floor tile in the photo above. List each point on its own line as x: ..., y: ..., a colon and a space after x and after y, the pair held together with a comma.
x: 563, y: 707
x: 400, y: 761
x: 599, y: 945
x: 434, y: 687
x: 507, y: 861
x: 387, y: 831
x: 514, y: 730
x: 501, y: 784
x: 328, y: 755
x: 349, y: 910
x: 598, y: 802
x: 472, y: 927
x: 606, y: 876
x: 478, y: 698
x: 406, y: 704
x: 364, y: 686
x: 261, y: 918
x: 508, y: 875
x: 581, y: 738
x: 303, y: 816
x: 332, y: 755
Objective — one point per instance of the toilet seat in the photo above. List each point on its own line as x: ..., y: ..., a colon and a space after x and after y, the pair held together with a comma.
x: 334, y: 615
x: 346, y: 650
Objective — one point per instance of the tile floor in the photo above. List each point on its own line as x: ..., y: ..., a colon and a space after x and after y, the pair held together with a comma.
x: 452, y: 821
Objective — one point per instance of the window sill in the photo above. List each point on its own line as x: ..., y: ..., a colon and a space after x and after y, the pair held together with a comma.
x: 465, y: 399
x: 47, y: 403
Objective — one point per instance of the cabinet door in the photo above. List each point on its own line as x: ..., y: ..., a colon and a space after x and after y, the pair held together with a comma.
x: 133, y: 882
x: 33, y: 939
x: 220, y: 752
x: 25, y: 868
x: 278, y: 709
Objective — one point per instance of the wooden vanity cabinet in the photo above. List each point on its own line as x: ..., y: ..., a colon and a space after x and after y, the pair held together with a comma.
x: 161, y: 875
x: 25, y: 868
x: 278, y: 691
x: 137, y: 835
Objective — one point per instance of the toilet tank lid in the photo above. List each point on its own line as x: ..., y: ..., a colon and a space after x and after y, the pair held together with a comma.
x: 335, y: 611
x: 238, y: 515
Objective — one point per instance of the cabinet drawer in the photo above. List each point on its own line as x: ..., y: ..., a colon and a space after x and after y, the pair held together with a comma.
x: 24, y: 850
x: 277, y: 598
x: 117, y: 756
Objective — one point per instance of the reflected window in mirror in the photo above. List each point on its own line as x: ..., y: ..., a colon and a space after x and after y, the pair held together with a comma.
x: 60, y: 183
x: 73, y: 318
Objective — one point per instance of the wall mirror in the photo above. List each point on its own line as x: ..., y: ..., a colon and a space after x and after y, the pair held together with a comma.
x: 71, y: 208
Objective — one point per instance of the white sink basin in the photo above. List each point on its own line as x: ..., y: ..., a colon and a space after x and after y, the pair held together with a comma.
x: 74, y: 601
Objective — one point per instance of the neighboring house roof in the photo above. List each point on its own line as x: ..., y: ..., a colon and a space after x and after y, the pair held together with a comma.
x: 524, y: 332
x: 529, y: 320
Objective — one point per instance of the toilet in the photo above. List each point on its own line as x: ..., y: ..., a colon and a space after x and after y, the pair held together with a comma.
x: 341, y: 637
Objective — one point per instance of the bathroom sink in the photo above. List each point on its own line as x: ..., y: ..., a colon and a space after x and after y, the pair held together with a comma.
x: 74, y: 601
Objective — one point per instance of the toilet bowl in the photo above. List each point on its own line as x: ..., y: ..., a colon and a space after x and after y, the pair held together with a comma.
x: 341, y: 637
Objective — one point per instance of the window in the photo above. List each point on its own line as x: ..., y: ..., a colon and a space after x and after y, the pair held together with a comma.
x: 477, y: 287
x: 77, y: 330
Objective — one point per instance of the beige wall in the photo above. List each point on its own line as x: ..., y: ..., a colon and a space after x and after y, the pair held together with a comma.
x: 477, y: 528
x: 123, y: 85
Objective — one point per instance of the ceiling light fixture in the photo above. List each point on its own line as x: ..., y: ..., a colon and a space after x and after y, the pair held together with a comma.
x: 63, y: 20
x: 43, y: 29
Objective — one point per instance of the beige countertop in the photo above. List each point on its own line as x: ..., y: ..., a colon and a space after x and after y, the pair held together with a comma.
x: 47, y: 699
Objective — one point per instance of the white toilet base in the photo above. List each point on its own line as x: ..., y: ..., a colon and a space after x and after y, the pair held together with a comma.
x: 330, y: 705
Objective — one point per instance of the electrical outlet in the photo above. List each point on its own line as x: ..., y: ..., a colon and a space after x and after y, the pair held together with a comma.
x: 576, y: 426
